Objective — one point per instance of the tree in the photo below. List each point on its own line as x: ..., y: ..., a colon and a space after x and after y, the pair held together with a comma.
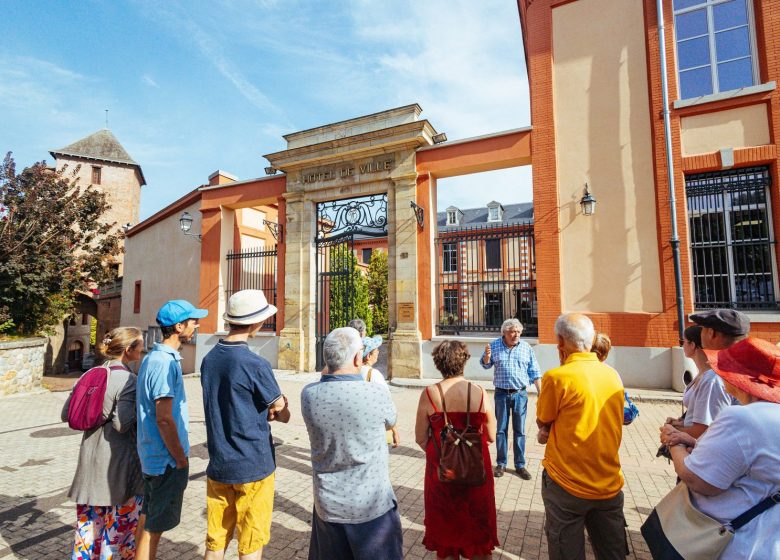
x: 348, y: 289
x: 52, y: 243
x: 377, y: 290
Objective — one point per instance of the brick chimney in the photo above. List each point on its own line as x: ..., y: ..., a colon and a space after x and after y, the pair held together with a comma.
x: 220, y: 177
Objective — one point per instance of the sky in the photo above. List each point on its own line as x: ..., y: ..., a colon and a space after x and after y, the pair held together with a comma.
x: 195, y: 86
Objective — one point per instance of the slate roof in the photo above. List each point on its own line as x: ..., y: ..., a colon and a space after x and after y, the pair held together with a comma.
x: 520, y: 213
x: 101, y: 146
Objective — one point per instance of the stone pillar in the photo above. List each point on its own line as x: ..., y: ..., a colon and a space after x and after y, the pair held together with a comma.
x: 405, y: 357
x: 296, y: 339
x: 211, y: 232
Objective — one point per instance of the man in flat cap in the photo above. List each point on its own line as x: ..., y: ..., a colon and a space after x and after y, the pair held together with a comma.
x: 706, y: 395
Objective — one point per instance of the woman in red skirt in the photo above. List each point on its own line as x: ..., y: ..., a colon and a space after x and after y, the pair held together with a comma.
x: 460, y: 520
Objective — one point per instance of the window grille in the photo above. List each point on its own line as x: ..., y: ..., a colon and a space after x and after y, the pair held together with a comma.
x: 732, y: 239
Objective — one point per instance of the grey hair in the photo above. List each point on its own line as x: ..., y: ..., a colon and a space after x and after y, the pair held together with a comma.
x: 340, y: 347
x: 359, y: 325
x: 511, y: 324
x: 576, y: 329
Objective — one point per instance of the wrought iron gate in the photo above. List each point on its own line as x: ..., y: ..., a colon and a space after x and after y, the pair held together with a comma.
x: 253, y: 268
x: 339, y: 224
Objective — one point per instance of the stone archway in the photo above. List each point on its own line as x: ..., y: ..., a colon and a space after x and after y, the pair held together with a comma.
x: 369, y: 155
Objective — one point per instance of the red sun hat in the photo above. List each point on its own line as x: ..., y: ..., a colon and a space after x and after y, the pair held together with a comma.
x: 752, y: 364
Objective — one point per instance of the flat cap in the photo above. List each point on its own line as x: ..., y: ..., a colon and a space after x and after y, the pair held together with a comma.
x: 726, y: 321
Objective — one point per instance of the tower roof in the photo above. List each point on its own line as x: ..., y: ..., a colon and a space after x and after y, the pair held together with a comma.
x: 101, y: 146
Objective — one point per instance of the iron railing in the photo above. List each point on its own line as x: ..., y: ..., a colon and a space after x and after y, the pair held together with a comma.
x: 485, y: 275
x: 253, y: 269
x: 732, y: 239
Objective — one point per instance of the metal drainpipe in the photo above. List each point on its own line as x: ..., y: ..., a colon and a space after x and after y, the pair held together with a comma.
x: 675, y: 240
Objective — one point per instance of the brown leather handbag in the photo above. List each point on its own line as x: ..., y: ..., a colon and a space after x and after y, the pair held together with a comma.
x: 460, y: 454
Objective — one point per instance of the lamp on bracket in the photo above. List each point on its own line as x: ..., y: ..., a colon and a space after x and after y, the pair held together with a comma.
x: 270, y: 170
x: 185, y: 223
x: 419, y: 214
x: 439, y: 138
x: 588, y: 202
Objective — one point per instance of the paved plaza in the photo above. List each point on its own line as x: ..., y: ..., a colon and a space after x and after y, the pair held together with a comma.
x: 39, y: 456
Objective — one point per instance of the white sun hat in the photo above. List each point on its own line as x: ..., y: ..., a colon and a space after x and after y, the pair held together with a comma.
x: 248, y: 307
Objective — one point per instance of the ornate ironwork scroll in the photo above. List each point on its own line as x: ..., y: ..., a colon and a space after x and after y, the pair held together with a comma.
x: 366, y: 215
x: 276, y: 230
x: 419, y: 214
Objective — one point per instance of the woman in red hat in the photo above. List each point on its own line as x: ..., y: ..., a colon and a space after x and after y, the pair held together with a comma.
x: 736, y: 463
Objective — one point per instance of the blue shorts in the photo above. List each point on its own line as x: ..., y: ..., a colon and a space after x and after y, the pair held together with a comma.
x: 378, y: 539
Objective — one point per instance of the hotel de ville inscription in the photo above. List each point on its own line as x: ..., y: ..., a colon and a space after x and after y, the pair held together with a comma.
x: 346, y: 170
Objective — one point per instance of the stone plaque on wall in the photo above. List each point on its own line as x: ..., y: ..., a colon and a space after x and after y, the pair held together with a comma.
x: 406, y: 313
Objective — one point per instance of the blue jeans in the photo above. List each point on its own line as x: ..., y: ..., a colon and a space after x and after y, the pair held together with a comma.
x: 516, y: 404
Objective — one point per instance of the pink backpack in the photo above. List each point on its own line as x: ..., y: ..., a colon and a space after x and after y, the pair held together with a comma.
x: 85, y: 410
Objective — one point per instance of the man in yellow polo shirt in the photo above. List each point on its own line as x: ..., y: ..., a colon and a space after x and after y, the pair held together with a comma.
x: 580, y: 418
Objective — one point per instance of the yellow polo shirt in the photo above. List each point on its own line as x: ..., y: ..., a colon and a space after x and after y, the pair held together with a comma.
x: 583, y: 399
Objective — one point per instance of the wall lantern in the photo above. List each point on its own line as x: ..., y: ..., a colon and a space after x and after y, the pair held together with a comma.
x: 270, y: 170
x: 185, y: 223
x: 419, y: 214
x: 439, y: 138
x: 588, y: 203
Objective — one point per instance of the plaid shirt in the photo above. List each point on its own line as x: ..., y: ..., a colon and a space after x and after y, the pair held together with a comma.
x: 516, y: 367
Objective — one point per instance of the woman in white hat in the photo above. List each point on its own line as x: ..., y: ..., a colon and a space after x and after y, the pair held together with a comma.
x: 371, y: 346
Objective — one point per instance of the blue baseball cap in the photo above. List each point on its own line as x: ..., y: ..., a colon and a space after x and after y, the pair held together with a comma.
x: 178, y: 311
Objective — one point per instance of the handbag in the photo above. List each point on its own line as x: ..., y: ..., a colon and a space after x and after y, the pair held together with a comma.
x: 676, y: 530
x: 460, y: 454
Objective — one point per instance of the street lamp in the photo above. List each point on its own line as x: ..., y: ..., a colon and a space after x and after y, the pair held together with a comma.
x: 185, y: 223
x: 588, y: 203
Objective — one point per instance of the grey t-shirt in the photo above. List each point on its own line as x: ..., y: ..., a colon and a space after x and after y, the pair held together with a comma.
x: 704, y: 399
x: 346, y: 419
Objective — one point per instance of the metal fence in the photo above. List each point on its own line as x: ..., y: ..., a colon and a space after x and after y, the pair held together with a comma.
x: 485, y: 275
x: 732, y: 239
x: 254, y: 268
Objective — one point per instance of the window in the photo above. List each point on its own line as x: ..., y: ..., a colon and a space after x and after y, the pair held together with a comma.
x: 452, y: 217
x: 84, y: 319
x: 137, y: 297
x: 95, y: 175
x: 493, y: 254
x: 366, y: 256
x: 450, y: 303
x: 715, y: 46
x: 493, y: 214
x: 450, y: 257
x: 494, y: 309
x: 732, y: 239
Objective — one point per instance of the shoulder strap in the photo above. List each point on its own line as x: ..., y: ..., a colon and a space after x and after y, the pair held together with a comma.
x: 756, y: 510
x: 468, y: 405
x: 430, y: 400
x: 368, y: 375
x: 481, y: 399
x: 443, y: 404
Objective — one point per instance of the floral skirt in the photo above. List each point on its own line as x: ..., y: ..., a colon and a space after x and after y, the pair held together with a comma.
x: 107, y: 532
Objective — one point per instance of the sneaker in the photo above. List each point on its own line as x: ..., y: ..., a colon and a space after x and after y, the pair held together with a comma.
x: 498, y: 471
x: 523, y: 473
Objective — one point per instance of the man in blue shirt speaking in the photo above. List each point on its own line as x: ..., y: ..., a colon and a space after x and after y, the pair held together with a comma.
x: 163, y: 425
x: 516, y: 368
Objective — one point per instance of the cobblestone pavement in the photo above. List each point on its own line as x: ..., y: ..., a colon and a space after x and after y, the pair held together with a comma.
x: 39, y: 456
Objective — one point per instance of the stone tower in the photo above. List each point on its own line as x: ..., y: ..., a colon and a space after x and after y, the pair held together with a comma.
x: 109, y: 168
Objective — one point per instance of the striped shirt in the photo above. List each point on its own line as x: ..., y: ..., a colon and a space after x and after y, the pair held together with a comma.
x: 516, y: 367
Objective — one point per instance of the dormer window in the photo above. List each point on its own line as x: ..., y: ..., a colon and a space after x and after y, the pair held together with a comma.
x: 452, y: 218
x: 495, y: 212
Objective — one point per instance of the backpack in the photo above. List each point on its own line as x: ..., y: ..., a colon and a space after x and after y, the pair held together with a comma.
x: 85, y: 410
x: 630, y: 410
x: 460, y: 454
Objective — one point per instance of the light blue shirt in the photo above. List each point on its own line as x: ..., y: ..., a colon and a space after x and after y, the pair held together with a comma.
x: 160, y: 376
x: 346, y: 419
x: 516, y: 367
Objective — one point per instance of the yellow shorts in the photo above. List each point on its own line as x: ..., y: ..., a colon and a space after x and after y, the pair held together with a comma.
x: 245, y: 507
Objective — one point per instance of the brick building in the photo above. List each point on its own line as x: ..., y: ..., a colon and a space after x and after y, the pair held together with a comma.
x: 103, y: 163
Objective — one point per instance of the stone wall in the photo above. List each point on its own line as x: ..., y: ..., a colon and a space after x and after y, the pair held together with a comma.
x: 21, y: 365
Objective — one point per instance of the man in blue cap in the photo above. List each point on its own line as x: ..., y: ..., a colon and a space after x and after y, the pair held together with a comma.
x: 163, y: 442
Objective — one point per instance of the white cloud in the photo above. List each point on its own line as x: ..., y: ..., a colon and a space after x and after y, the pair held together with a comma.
x: 149, y: 81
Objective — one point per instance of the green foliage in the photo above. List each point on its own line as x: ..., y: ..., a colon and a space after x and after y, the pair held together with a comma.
x: 348, y: 294
x: 377, y: 291
x: 52, y: 243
